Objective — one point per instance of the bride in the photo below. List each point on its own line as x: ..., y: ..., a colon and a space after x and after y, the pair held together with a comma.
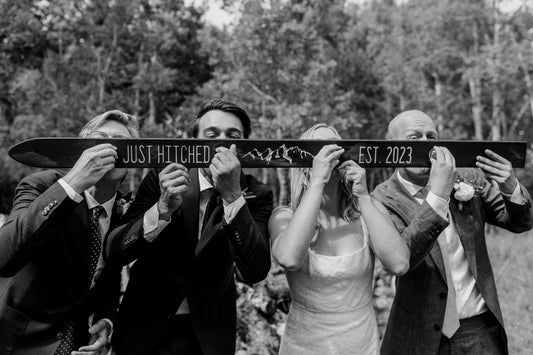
x: 326, y: 241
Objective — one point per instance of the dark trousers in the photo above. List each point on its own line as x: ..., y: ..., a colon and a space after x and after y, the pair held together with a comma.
x: 478, y: 335
x: 179, y: 338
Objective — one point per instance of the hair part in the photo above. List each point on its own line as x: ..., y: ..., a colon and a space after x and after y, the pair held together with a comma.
x: 131, y: 123
x: 300, y: 179
x: 225, y: 106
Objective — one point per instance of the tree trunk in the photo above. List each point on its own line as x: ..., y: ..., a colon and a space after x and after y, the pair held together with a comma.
x: 497, y: 97
x: 474, y: 82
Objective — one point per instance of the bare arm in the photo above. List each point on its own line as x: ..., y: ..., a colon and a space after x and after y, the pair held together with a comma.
x: 385, y: 240
x: 291, y: 237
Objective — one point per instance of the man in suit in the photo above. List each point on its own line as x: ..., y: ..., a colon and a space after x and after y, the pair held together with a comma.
x: 189, y: 232
x: 51, y: 278
x: 447, y: 303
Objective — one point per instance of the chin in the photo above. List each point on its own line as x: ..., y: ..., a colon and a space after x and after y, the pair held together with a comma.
x: 422, y: 172
x: 115, y: 174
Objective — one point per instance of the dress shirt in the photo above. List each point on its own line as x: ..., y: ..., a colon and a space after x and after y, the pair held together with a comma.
x: 103, y: 222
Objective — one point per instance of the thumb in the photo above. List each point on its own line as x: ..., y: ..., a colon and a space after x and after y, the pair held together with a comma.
x: 97, y: 327
x: 233, y: 149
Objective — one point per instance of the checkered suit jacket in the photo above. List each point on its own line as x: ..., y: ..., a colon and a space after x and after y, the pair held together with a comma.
x: 418, y: 310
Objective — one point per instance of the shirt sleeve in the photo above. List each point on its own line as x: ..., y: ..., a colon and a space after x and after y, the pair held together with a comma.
x: 71, y: 193
x: 152, y: 225
x: 231, y: 210
x: 516, y: 197
x: 439, y: 204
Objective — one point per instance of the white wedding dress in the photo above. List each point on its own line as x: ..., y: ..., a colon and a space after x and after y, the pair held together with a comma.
x: 331, y: 305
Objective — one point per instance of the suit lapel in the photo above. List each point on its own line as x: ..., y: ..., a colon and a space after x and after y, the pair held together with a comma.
x: 214, y: 220
x: 407, y: 205
x: 464, y: 225
x: 80, y: 222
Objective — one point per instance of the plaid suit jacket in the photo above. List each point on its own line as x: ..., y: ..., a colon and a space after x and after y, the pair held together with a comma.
x: 417, y: 313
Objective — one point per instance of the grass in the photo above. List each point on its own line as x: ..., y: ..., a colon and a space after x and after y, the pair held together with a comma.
x: 512, y: 262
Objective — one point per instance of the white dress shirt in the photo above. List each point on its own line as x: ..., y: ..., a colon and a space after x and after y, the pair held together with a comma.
x: 103, y: 222
x: 468, y: 298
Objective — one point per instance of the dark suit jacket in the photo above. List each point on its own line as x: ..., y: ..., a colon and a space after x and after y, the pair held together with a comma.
x: 176, y: 265
x: 44, y: 268
x: 418, y: 310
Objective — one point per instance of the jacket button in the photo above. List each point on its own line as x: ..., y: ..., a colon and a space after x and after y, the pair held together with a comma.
x: 436, y: 327
x: 442, y: 295
x: 59, y: 335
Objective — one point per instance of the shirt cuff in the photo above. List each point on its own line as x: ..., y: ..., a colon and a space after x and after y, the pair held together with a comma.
x: 439, y: 204
x: 516, y: 197
x: 231, y: 210
x: 152, y: 225
x: 71, y: 193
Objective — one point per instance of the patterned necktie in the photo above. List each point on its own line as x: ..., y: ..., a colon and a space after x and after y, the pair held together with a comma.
x: 95, y: 241
x: 68, y: 344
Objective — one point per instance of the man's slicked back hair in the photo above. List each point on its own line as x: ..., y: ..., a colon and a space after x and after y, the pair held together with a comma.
x: 225, y: 106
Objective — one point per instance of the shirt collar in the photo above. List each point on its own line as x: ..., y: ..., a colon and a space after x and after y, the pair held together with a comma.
x: 91, y: 202
x: 411, y: 188
x: 203, y: 182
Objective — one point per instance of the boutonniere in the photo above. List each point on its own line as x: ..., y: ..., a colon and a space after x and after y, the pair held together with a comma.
x: 123, y: 203
x: 247, y: 195
x: 464, y: 190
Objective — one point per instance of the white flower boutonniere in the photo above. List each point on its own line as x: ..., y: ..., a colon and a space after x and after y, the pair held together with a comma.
x: 123, y: 204
x: 463, y: 191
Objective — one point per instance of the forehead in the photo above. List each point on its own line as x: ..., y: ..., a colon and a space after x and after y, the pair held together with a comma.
x: 113, y: 127
x: 221, y: 120
x: 415, y: 123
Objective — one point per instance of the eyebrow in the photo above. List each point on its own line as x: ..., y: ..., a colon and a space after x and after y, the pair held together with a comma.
x: 214, y: 128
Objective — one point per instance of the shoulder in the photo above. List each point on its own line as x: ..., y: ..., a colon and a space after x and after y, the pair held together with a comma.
x: 40, y: 180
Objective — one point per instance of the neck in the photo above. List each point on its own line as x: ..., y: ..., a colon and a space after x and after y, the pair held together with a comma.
x: 331, y: 196
x: 420, y: 180
x: 104, y: 190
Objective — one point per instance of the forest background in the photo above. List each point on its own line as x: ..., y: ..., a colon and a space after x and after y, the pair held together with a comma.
x: 290, y: 63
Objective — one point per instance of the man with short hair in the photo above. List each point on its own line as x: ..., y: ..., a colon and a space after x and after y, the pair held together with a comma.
x: 188, y: 232
x: 447, y: 302
x: 52, y: 275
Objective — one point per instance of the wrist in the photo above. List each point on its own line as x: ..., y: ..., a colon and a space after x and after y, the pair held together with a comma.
x: 508, y: 187
x: 75, y: 184
x: 229, y: 197
x: 163, y: 211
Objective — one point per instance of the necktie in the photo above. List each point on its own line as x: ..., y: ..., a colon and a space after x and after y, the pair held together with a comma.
x: 95, y: 241
x: 422, y: 193
x: 68, y: 344
x: 451, y: 318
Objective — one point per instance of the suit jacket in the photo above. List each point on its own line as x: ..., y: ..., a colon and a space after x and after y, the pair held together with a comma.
x: 417, y: 312
x: 177, y: 265
x: 44, y: 268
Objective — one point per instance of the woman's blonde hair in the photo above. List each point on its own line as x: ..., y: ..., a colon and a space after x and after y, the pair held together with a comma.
x: 300, y: 177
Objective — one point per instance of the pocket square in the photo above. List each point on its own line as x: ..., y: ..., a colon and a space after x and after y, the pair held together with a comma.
x: 246, y: 195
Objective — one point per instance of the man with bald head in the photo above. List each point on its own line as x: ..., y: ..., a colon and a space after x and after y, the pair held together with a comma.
x: 447, y: 302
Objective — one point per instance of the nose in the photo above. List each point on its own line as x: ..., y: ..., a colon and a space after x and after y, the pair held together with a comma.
x: 222, y: 135
x: 424, y: 137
